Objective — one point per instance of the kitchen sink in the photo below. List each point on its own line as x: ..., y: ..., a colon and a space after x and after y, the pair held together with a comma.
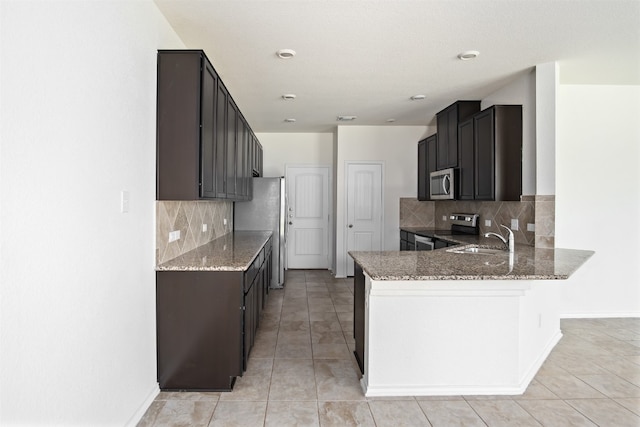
x: 478, y: 250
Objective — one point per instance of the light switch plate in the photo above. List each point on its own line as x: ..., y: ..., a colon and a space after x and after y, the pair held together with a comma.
x: 124, y: 201
x: 487, y: 223
x: 514, y: 224
x: 531, y: 227
x: 204, y: 228
x: 444, y: 217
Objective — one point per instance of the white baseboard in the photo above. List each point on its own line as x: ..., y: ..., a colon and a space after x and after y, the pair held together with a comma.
x: 599, y: 315
x: 135, y: 418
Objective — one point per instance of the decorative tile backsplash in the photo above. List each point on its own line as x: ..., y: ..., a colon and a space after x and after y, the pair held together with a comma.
x: 536, y: 210
x: 189, y: 217
x: 545, y: 221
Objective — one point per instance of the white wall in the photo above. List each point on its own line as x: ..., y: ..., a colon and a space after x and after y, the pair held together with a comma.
x: 522, y: 91
x: 396, y: 147
x: 282, y: 149
x: 77, y: 283
x: 597, y: 189
x: 547, y: 82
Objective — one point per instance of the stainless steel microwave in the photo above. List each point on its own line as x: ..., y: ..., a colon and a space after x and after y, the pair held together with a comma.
x: 442, y: 184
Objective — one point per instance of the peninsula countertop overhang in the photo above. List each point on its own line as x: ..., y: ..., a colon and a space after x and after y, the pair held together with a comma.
x: 526, y: 263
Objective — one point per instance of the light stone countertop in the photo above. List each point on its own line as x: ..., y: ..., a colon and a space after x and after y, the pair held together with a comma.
x: 232, y: 252
x: 526, y: 263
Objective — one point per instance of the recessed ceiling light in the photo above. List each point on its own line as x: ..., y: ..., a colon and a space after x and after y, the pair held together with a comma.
x: 286, y: 53
x: 469, y: 54
x: 289, y: 120
x: 289, y: 96
x: 417, y: 97
x: 346, y: 118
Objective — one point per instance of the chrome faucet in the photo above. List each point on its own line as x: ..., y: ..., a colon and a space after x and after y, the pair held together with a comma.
x: 508, y: 242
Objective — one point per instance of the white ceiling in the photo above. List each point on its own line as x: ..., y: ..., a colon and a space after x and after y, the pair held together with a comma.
x: 368, y: 57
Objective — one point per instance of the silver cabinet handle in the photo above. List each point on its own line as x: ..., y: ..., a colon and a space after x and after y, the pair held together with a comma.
x: 290, y: 223
x: 350, y: 225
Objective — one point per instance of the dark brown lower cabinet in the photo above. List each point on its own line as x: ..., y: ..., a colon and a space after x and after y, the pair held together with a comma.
x: 199, y: 329
x: 358, y: 314
x: 206, y: 324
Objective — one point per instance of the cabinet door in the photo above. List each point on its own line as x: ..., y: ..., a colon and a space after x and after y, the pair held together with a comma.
x: 240, y: 155
x: 466, y: 160
x: 452, y: 135
x: 207, y: 131
x: 249, y: 324
x: 423, y: 177
x: 178, y: 130
x: 199, y: 329
x: 232, y: 118
x: 427, y: 151
x: 359, y: 314
x: 222, y: 99
x: 484, y: 155
x: 246, y: 175
x: 442, y: 161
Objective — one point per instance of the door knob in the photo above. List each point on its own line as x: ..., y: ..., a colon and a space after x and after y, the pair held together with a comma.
x: 290, y: 223
x: 350, y: 225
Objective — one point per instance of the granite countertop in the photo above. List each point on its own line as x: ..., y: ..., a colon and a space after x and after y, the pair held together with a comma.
x: 526, y: 263
x: 231, y: 252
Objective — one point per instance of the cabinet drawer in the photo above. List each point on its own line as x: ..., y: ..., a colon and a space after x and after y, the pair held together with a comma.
x: 411, y: 238
x: 251, y: 273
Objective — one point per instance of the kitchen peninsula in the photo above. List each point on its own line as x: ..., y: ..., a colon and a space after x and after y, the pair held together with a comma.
x: 448, y: 322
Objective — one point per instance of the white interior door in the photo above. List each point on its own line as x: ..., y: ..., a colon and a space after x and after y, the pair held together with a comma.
x: 307, y: 217
x: 364, y: 209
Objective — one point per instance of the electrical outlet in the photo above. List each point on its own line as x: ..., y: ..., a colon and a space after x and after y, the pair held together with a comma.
x: 174, y: 235
x: 514, y: 224
x: 204, y: 228
x: 531, y: 227
x: 444, y: 217
x: 224, y: 221
x: 487, y: 223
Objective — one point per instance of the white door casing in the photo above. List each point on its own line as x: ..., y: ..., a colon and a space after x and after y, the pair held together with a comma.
x: 308, y: 217
x: 364, y: 218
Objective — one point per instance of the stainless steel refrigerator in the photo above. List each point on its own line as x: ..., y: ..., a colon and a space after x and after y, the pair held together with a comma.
x: 267, y: 211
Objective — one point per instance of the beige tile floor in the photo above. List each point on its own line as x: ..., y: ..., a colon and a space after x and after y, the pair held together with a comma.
x: 302, y: 373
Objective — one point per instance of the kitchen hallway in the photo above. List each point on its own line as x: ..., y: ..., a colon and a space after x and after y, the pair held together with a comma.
x: 302, y: 372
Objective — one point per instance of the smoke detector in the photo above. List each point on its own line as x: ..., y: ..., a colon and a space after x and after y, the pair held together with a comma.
x: 417, y: 97
x: 346, y: 118
x: 469, y: 54
x: 286, y: 53
x: 288, y: 96
x: 289, y: 120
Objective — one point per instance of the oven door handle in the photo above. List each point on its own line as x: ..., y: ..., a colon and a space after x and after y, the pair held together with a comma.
x: 424, y: 241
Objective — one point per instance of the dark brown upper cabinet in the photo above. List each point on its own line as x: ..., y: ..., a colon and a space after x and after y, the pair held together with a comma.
x: 202, y: 137
x: 498, y: 153
x: 466, y: 161
x: 426, y: 164
x: 447, y: 122
x: 490, y: 158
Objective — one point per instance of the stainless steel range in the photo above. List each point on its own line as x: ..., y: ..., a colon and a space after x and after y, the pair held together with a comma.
x: 461, y: 223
